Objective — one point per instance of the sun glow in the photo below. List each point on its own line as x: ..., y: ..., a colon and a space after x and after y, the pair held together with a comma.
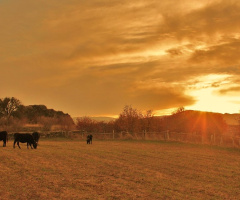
x: 209, y: 99
x: 205, y: 90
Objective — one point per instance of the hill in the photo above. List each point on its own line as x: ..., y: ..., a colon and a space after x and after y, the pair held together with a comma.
x: 231, y: 119
x: 15, y: 116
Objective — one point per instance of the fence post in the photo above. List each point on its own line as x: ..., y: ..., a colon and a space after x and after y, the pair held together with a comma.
x: 113, y: 135
x: 211, y: 140
x: 233, y: 143
x: 221, y: 140
x: 166, y: 135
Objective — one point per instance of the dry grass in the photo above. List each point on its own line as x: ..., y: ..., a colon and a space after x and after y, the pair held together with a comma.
x: 119, y: 170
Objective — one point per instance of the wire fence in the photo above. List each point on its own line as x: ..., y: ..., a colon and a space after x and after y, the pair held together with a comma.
x: 229, y: 140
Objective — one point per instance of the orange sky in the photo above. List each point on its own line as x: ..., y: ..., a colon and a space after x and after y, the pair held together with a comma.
x: 93, y: 57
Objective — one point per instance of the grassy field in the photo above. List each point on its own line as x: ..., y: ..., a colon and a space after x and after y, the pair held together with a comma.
x: 119, y: 170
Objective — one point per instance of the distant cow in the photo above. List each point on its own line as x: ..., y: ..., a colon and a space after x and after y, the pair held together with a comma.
x: 24, y: 138
x: 89, y: 139
x: 4, y: 137
x: 36, y: 136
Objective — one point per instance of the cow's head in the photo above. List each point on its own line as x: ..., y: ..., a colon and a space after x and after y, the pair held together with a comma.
x: 34, y: 145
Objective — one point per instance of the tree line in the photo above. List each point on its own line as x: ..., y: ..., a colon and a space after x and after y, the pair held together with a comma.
x: 132, y: 121
x: 14, y: 116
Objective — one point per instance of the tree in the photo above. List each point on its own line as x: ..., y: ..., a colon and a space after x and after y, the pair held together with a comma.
x: 147, y: 121
x: 129, y: 119
x: 86, y: 124
x: 8, y: 106
x: 178, y: 110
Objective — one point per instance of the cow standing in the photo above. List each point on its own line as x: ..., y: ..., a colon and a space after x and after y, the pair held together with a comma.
x: 89, y: 139
x: 24, y: 138
x: 4, y: 137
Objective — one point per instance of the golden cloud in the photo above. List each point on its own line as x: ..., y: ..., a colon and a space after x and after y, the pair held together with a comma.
x: 93, y: 57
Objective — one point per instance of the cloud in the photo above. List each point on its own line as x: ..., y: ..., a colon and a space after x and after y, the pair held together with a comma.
x: 93, y: 57
x: 226, y: 53
x: 175, y: 52
x: 232, y: 90
x: 219, y: 18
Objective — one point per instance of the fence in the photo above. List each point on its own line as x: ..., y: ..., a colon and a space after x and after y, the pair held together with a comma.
x: 229, y: 140
x: 220, y: 140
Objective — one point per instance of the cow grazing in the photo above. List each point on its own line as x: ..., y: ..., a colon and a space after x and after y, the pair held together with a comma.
x: 4, y: 137
x: 89, y: 139
x: 24, y: 138
x: 36, y: 136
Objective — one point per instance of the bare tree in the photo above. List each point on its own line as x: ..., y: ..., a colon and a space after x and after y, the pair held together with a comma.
x: 8, y: 106
x: 147, y: 120
x: 86, y: 124
x: 129, y: 119
x: 178, y: 110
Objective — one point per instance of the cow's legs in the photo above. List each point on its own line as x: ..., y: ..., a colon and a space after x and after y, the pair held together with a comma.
x: 14, y: 143
x: 18, y: 145
x: 29, y: 145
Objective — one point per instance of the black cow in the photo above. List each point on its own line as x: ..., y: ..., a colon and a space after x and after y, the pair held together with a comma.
x: 4, y: 137
x: 89, y: 139
x: 36, y: 136
x: 24, y: 138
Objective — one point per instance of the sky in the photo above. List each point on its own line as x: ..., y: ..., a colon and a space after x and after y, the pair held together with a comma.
x: 91, y: 58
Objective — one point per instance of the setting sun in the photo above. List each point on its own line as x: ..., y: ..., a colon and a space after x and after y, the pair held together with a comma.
x: 206, y: 100
x: 208, y: 97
